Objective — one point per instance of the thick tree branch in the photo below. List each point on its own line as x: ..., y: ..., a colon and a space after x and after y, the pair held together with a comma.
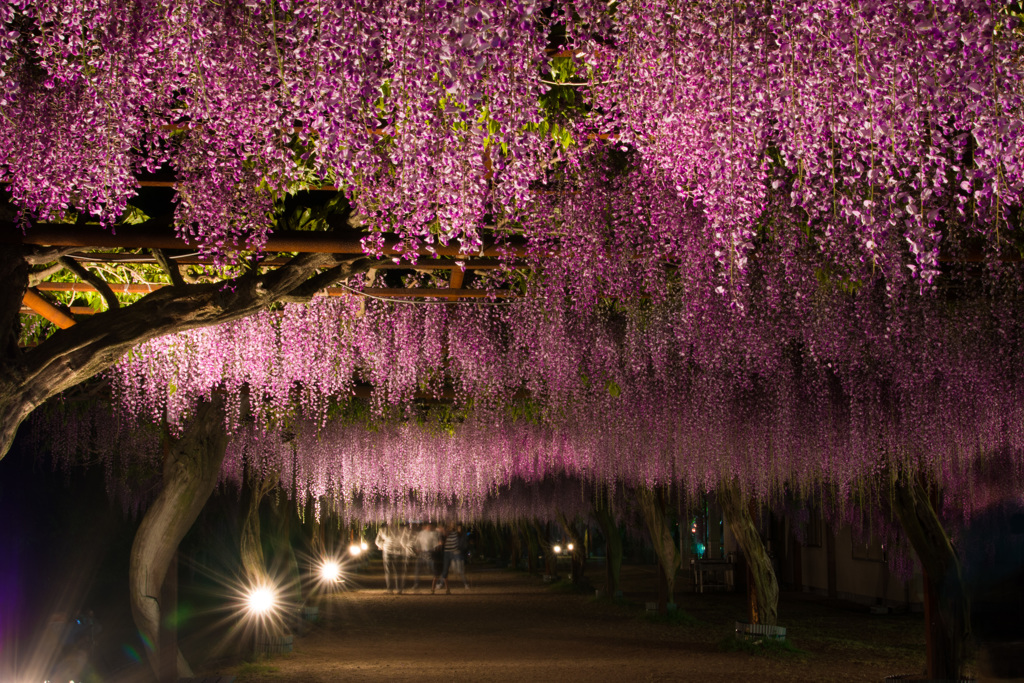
x: 76, y: 354
x: 254, y: 563
x: 656, y: 517
x: 37, y: 276
x: 613, y: 545
x: 169, y: 266
x: 90, y: 277
x: 327, y: 278
x: 41, y: 255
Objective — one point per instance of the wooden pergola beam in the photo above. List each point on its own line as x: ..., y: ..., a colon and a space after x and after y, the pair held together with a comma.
x: 42, y: 307
x: 401, y: 292
x: 416, y: 292
x: 111, y: 257
x: 116, y: 287
x: 148, y: 236
x: 339, y: 241
x: 75, y: 310
x: 173, y: 184
x: 455, y: 281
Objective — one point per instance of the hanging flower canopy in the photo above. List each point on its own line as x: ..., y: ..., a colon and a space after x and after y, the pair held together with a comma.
x: 883, y: 132
x: 645, y: 395
x: 772, y: 241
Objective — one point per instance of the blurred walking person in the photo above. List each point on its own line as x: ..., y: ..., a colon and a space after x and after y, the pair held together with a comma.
x: 406, y: 546
x: 460, y: 560
x: 426, y: 540
x: 389, y: 543
x: 453, y: 555
x: 437, y: 560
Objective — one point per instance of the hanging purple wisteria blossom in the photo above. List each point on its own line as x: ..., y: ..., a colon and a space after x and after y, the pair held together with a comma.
x: 641, y: 394
x: 890, y: 131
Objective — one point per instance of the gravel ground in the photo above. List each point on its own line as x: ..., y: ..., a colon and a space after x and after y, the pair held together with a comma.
x: 510, y: 626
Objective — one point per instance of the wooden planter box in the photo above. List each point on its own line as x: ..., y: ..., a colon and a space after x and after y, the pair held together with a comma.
x: 274, y: 645
x: 920, y: 678
x: 759, y: 632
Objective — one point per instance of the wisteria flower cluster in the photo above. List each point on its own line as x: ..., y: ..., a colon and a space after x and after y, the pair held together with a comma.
x: 889, y: 132
x: 885, y: 124
x: 750, y: 250
x: 419, y: 112
x: 838, y: 391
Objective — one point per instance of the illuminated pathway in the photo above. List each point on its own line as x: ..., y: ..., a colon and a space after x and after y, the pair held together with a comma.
x: 511, y: 627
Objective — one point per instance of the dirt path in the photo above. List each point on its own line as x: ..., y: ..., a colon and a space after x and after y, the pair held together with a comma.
x: 513, y: 627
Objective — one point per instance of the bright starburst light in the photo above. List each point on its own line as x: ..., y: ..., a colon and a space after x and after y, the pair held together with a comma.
x: 261, y: 601
x: 330, y: 571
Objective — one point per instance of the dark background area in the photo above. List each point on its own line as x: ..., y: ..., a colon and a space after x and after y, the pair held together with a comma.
x: 64, y: 549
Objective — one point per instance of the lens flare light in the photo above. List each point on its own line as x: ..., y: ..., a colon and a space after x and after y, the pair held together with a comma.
x: 330, y: 571
x: 261, y: 601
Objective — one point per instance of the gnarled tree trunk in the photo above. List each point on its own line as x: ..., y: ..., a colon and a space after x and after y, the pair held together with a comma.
x: 613, y: 546
x: 284, y: 552
x: 763, y: 594
x: 14, y: 272
x: 533, y: 546
x: 254, y: 563
x: 947, y: 609
x: 542, y: 532
x: 191, y: 468
x: 578, y: 554
x: 655, y: 513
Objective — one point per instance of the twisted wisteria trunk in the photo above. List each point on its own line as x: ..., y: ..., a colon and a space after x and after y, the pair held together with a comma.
x: 284, y: 551
x: 14, y: 274
x: 510, y: 544
x: 579, y: 548
x: 14, y: 271
x: 763, y: 586
x: 191, y: 468
x: 254, y: 563
x: 613, y: 545
x: 655, y: 513
x: 543, y: 534
x: 947, y: 609
x: 532, y: 536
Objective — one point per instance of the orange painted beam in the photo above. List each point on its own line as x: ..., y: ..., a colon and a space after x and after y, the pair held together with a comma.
x: 116, y: 287
x: 47, y: 310
x: 173, y: 184
x: 344, y: 241
x: 194, y: 260
x: 433, y: 292
x: 147, y: 287
x: 455, y: 281
x: 75, y: 310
